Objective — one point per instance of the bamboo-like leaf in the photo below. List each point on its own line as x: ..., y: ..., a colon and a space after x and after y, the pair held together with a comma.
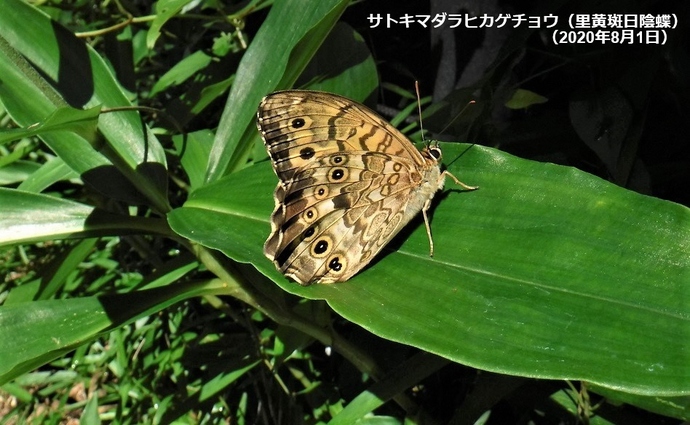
x: 82, y: 122
x: 545, y: 271
x: 32, y: 217
x: 32, y: 334
x: 79, y: 77
x: 281, y: 43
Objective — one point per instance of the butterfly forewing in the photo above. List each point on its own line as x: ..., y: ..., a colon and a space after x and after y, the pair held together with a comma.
x: 298, y: 125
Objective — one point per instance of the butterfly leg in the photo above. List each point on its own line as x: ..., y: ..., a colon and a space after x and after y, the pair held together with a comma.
x: 426, y: 206
x: 458, y: 182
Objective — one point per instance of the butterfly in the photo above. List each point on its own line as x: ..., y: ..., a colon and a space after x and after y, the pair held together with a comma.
x: 349, y: 182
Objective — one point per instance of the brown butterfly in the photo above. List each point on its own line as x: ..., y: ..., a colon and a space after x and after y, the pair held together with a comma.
x: 349, y: 182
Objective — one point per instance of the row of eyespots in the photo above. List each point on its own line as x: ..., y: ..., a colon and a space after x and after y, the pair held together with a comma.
x: 321, y: 246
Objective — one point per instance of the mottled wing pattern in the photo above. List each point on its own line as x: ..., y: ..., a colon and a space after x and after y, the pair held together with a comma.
x: 338, y: 213
x: 300, y: 125
x: 349, y: 181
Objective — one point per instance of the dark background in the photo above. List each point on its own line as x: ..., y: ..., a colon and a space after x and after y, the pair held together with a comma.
x: 618, y: 111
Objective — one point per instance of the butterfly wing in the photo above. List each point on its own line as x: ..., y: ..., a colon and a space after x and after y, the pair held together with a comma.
x: 338, y: 212
x: 349, y: 181
x: 299, y: 126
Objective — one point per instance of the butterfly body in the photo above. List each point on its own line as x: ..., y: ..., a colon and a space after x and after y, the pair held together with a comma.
x: 349, y: 182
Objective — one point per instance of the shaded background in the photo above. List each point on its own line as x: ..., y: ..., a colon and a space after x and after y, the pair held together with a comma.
x: 617, y: 111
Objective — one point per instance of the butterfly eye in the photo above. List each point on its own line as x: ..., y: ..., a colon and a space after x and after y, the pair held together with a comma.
x: 435, y: 152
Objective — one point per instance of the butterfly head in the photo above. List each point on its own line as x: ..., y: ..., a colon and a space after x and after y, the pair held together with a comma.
x: 433, y: 152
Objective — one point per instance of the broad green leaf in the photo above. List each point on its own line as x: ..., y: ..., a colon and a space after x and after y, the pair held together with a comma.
x: 544, y: 271
x: 32, y: 334
x: 16, y: 172
x: 50, y: 172
x: 80, y: 78
x: 353, y: 75
x: 29, y: 100
x: 81, y: 122
x: 262, y: 70
x: 194, y: 154
x: 675, y: 407
x: 31, y: 217
x: 210, y: 93
x: 183, y: 70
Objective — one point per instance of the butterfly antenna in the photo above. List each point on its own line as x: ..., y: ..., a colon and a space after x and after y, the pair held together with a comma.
x: 471, y: 102
x: 419, y: 109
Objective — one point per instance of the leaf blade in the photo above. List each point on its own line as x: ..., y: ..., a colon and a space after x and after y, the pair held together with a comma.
x: 560, y: 271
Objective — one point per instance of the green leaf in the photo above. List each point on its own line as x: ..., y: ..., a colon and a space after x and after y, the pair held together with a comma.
x: 544, y: 271
x: 675, y: 407
x: 183, y: 70
x: 50, y: 172
x: 16, y: 172
x: 165, y: 10
x: 81, y: 122
x: 90, y: 414
x: 33, y: 55
x: 54, y: 275
x: 262, y: 70
x: 522, y: 99
x: 31, y: 217
x: 32, y: 334
x: 220, y: 382
x: 29, y: 100
x: 194, y: 154
x: 353, y: 75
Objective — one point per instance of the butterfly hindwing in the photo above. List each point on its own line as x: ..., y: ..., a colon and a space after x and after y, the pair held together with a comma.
x: 337, y: 213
